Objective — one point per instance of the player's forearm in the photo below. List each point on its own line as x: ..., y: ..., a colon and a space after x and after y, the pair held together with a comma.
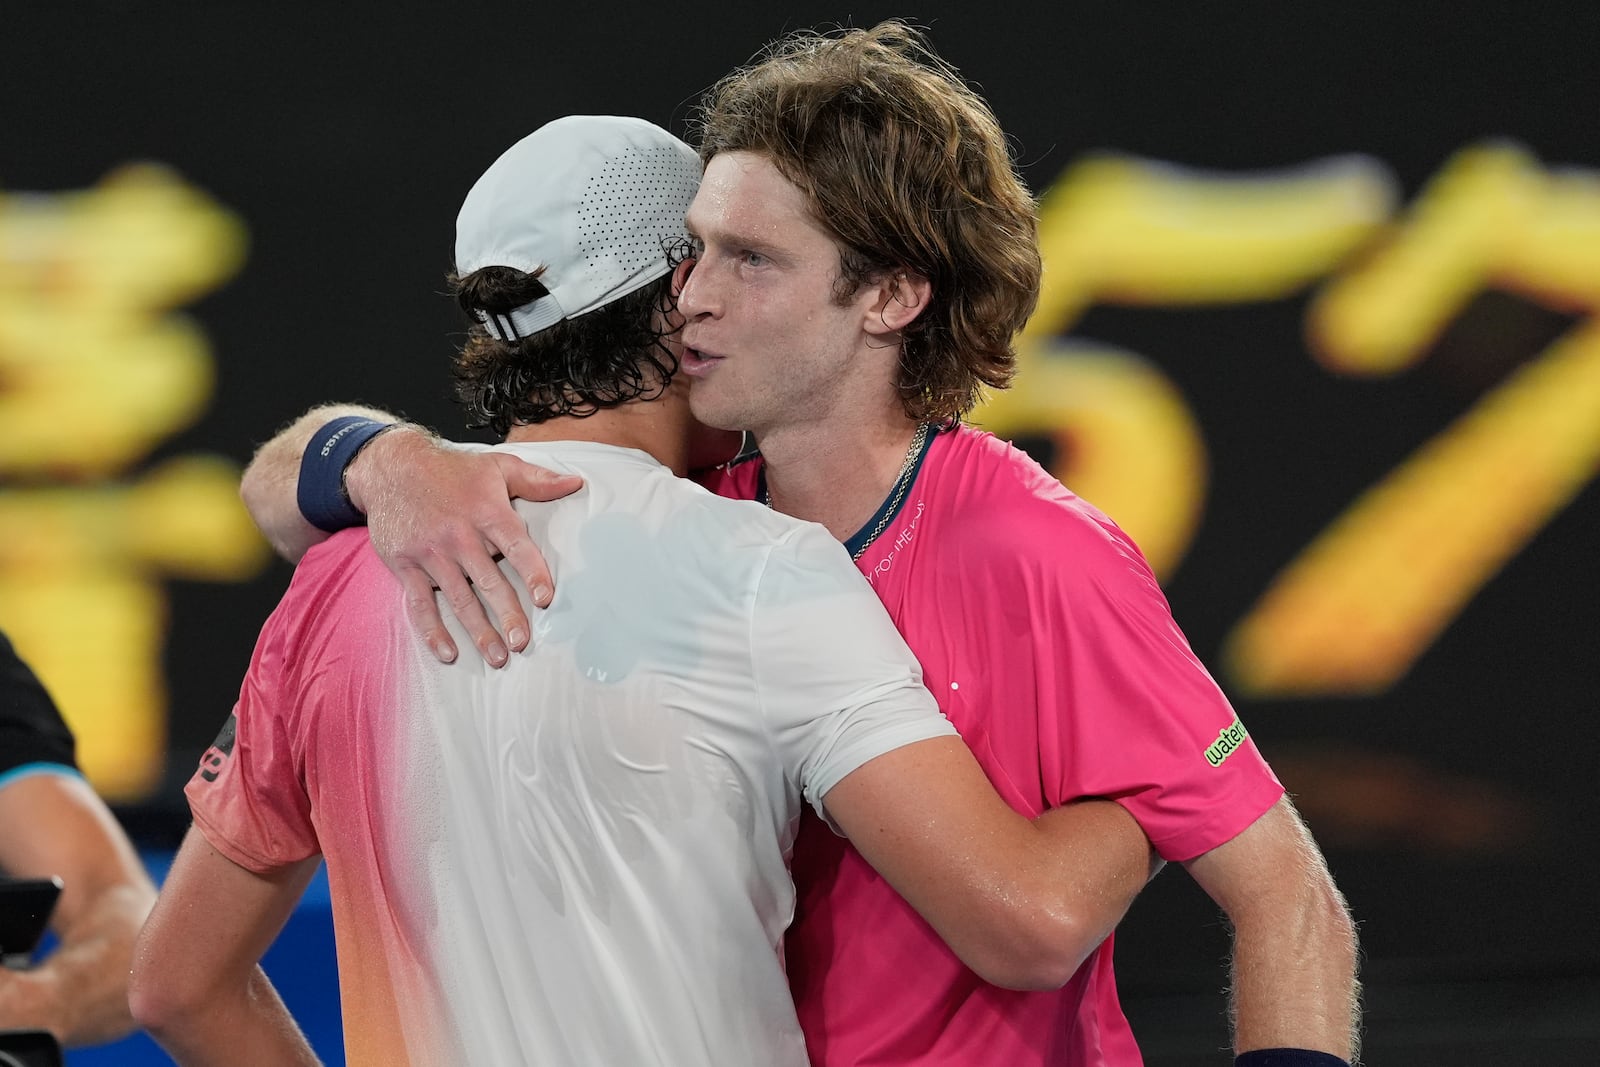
x: 80, y: 993
x: 1060, y: 889
x: 1294, y: 977
x: 237, y: 1025
x: 1033, y: 899
x: 1020, y: 901
x: 269, y: 485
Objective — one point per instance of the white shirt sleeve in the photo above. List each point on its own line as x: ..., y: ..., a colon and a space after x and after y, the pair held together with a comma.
x: 837, y: 684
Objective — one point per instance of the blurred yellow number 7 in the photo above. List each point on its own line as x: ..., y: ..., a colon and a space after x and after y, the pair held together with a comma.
x: 1369, y: 595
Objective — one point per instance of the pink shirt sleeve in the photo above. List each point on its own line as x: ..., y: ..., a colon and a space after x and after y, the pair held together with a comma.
x: 248, y: 797
x: 1127, y: 709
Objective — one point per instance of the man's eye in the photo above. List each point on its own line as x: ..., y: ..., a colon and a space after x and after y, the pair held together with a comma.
x: 753, y: 259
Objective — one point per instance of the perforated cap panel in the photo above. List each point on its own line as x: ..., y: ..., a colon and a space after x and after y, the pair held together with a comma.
x: 594, y: 202
x: 620, y: 215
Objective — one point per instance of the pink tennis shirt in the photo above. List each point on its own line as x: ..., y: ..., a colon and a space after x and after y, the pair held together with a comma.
x: 1047, y: 642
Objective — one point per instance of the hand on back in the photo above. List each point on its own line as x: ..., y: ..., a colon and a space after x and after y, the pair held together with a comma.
x: 440, y: 518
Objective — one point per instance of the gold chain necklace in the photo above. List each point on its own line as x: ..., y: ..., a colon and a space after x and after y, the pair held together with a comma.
x: 902, y: 485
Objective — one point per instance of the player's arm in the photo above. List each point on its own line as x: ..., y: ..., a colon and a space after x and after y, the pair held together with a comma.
x: 1022, y: 902
x: 197, y: 984
x: 270, y: 481
x: 55, y: 824
x: 1294, y: 945
x: 439, y: 517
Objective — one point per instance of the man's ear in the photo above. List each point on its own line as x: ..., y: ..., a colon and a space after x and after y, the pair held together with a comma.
x: 899, y: 298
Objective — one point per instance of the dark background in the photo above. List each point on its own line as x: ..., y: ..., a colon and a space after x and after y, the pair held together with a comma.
x: 346, y: 137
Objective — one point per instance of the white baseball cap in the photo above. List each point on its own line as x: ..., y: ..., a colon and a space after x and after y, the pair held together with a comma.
x: 596, y: 200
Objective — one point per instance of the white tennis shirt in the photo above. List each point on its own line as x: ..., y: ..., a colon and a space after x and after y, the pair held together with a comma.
x: 580, y: 858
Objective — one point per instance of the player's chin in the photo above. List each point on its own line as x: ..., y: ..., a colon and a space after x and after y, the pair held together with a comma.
x: 711, y: 407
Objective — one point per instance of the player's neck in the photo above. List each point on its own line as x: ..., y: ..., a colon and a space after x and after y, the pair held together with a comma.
x: 837, y: 473
x: 649, y: 426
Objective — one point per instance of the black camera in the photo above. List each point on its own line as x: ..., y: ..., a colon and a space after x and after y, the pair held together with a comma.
x: 25, y: 907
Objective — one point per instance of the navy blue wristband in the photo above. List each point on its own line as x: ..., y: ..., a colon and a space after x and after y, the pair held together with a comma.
x: 1288, y: 1057
x: 321, y: 494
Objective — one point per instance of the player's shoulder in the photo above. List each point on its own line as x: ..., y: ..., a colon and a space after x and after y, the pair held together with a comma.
x: 1006, y: 531
x: 703, y: 528
x: 778, y: 550
x: 340, y: 583
x: 989, y: 492
x: 32, y: 730
x: 331, y: 558
x: 735, y: 525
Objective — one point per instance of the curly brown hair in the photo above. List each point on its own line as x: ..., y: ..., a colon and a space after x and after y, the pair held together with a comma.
x: 908, y: 169
x: 607, y: 357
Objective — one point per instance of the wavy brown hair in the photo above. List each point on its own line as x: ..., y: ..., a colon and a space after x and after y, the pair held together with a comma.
x: 607, y: 357
x: 906, y: 166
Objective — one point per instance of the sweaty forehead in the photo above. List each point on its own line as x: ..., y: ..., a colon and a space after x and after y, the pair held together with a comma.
x: 743, y: 193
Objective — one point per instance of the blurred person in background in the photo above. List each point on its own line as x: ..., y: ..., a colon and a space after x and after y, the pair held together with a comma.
x: 53, y: 824
x: 866, y: 256
x: 582, y: 858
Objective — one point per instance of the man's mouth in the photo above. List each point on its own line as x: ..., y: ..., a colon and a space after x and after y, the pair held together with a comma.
x: 696, y: 362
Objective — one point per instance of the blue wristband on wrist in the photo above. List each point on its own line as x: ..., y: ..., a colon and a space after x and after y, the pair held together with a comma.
x: 1288, y: 1057
x: 321, y: 493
